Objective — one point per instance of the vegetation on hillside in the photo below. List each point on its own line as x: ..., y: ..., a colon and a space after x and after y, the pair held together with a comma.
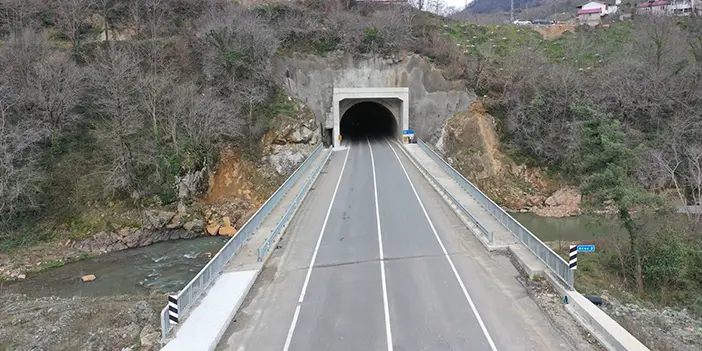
x: 89, y: 117
x: 614, y: 110
x: 107, y: 104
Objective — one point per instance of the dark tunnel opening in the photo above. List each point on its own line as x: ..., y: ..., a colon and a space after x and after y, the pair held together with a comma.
x: 367, y: 120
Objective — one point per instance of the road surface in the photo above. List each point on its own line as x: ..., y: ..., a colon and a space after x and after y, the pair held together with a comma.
x: 375, y: 260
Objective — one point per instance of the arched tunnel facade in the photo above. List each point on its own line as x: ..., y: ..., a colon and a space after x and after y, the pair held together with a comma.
x: 368, y: 120
x: 375, y: 112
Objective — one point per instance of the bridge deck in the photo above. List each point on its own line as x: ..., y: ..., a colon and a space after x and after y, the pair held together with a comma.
x: 430, y: 284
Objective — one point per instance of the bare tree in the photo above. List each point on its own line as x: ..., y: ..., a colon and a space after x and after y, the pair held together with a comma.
x: 113, y: 82
x: 55, y: 89
x: 206, y: 118
x: 70, y: 17
x: 18, y: 14
x: 19, y: 171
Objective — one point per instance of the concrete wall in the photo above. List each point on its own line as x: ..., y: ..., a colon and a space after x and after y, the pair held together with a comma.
x: 433, y: 99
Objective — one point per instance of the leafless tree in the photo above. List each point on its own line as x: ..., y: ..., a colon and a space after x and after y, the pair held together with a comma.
x: 18, y: 14
x: 19, y: 171
x: 113, y: 81
x: 55, y: 90
x: 70, y: 17
x: 206, y: 119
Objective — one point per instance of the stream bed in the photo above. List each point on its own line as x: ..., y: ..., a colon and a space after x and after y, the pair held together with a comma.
x: 163, y: 267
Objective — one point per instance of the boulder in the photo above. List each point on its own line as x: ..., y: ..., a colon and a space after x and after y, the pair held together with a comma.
x: 568, y: 196
x: 213, y: 229
x: 301, y: 135
x: 196, y: 225
x: 285, y: 159
x: 157, y: 219
x: 176, y: 222
x: 149, y: 337
x: 227, y: 229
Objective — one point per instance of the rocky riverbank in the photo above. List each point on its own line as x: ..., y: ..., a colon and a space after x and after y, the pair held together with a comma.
x: 658, y: 328
x: 52, y: 323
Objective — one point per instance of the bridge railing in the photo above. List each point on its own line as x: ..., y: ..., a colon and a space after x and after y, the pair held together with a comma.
x: 199, y: 284
x: 291, y: 210
x: 555, y: 262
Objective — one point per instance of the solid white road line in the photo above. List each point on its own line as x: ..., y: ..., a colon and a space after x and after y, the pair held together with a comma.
x: 386, y: 308
x: 443, y: 248
x: 288, y: 339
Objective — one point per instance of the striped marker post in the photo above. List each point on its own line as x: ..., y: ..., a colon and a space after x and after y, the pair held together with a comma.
x: 173, y: 309
x: 573, y: 257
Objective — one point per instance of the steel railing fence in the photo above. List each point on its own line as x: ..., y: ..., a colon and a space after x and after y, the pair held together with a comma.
x: 555, y: 262
x: 191, y: 292
x: 298, y: 199
x: 483, y: 230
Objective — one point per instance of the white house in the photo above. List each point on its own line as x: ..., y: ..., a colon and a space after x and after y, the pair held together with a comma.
x: 592, y: 12
x: 659, y: 8
x: 669, y: 8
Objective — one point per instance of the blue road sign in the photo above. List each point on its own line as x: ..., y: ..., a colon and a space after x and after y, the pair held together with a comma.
x: 586, y: 248
x: 408, y: 131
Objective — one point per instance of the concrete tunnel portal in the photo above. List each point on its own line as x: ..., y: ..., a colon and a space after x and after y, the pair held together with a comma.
x: 360, y: 113
x: 368, y: 120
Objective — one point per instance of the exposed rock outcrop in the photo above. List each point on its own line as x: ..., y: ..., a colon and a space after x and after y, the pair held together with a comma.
x: 564, y: 202
x: 469, y: 141
x: 128, y: 238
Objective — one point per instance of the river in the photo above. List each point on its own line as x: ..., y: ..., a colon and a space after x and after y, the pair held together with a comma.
x: 163, y: 267
x: 576, y: 228
x: 169, y: 266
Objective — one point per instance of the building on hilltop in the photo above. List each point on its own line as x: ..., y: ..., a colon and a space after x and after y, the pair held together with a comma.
x: 669, y: 8
x: 591, y: 14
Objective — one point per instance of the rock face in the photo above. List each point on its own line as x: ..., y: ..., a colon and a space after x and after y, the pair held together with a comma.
x: 158, y: 226
x: 470, y: 143
x: 564, y: 202
x: 190, y: 184
x: 433, y: 99
x: 285, y: 159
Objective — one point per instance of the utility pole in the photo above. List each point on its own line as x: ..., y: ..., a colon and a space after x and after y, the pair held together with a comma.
x: 511, y: 11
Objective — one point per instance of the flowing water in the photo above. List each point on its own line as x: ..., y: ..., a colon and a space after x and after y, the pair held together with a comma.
x: 164, y: 267
x: 169, y: 266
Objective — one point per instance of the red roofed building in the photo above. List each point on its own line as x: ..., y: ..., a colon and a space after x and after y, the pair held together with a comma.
x: 669, y: 7
x: 592, y: 12
x: 659, y: 7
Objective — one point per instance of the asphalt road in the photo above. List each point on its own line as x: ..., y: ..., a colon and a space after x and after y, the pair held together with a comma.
x: 387, y: 266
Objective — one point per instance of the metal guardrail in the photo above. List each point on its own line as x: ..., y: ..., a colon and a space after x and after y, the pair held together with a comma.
x: 199, y: 284
x: 485, y: 231
x: 555, y: 262
x: 298, y: 199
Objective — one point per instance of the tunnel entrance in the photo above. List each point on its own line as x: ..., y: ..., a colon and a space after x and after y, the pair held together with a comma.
x: 367, y: 120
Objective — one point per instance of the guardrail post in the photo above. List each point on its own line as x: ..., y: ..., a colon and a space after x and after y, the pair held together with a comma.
x: 173, y: 309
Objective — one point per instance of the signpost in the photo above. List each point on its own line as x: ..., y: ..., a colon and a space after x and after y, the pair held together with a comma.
x: 408, y: 136
x: 573, y: 254
x: 586, y: 248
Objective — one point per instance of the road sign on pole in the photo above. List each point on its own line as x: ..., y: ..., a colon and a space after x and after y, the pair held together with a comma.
x: 573, y: 264
x: 586, y: 248
x: 408, y: 135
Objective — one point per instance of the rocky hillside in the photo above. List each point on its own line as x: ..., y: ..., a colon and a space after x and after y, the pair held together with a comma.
x: 470, y: 142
